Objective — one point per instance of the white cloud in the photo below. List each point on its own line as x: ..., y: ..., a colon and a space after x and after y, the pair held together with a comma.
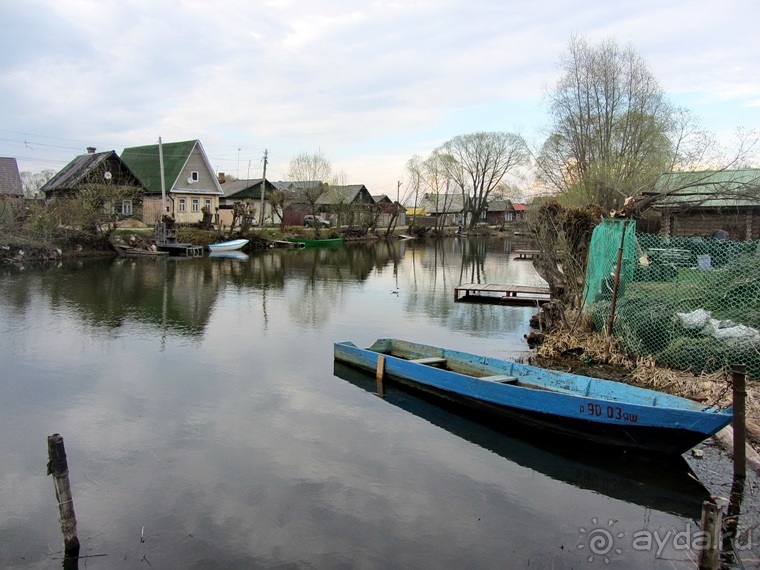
x: 386, y: 78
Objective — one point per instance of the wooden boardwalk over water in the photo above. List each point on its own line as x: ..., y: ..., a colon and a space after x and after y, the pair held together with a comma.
x: 506, y: 294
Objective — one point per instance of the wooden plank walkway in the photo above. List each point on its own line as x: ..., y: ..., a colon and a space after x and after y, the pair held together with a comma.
x: 507, y: 294
x: 526, y: 253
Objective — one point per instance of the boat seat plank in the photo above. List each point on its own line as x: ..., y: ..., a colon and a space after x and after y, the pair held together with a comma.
x: 431, y: 360
x: 501, y: 379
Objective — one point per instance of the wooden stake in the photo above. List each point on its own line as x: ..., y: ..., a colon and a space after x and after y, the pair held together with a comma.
x: 712, y: 519
x: 379, y: 376
x: 739, y: 373
x: 59, y: 469
x: 616, y: 284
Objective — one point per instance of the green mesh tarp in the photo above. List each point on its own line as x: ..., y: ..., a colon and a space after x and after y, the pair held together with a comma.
x: 606, y: 241
x: 691, y: 303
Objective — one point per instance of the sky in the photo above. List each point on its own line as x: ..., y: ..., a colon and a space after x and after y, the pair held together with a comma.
x: 368, y: 84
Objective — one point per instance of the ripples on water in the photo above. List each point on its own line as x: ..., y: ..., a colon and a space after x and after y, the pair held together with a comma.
x: 199, y: 401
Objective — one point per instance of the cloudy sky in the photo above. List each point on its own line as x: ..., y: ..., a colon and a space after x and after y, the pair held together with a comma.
x: 369, y: 83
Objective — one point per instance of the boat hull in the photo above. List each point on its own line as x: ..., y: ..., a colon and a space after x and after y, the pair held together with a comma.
x: 232, y: 245
x: 596, y: 411
x: 327, y: 242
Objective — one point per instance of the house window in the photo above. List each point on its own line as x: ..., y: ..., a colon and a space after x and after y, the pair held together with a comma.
x: 208, y: 204
x: 196, y: 205
x: 126, y: 207
x: 194, y: 176
x: 182, y: 205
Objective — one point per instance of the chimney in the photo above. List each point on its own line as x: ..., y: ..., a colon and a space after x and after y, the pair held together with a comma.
x: 221, y: 177
x: 91, y: 150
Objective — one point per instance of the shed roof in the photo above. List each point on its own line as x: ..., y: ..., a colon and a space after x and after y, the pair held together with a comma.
x: 709, y: 189
x: 10, y: 180
x: 351, y: 194
x: 245, y: 188
x: 443, y: 203
x: 82, y: 167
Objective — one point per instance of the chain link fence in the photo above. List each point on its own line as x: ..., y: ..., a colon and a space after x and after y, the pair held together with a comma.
x: 690, y: 303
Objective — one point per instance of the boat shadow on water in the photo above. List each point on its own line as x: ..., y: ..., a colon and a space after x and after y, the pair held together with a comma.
x: 665, y: 484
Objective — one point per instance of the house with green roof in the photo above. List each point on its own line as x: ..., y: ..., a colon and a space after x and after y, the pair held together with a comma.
x: 701, y: 203
x: 190, y: 184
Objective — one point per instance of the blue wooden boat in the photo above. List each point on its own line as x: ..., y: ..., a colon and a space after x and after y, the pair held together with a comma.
x: 232, y: 245
x: 594, y: 410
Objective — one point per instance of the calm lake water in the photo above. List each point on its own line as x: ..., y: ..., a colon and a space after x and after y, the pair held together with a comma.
x: 201, y: 408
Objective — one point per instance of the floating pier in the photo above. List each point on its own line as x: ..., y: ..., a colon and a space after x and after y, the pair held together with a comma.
x: 504, y: 294
x: 526, y: 253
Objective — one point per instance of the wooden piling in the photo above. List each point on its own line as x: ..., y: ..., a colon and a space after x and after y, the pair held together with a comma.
x: 738, y: 377
x: 712, y: 520
x: 380, y: 375
x: 59, y: 469
x: 731, y: 520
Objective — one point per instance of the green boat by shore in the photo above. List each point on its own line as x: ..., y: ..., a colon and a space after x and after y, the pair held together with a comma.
x: 310, y: 242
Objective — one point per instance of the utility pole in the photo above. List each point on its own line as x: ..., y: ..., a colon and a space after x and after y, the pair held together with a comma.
x: 263, y: 186
x: 398, y: 192
x: 163, y: 182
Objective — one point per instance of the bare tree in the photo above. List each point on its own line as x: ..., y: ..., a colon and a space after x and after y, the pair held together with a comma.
x: 310, y: 168
x: 610, y: 125
x: 478, y: 163
x: 32, y: 182
x: 415, y: 169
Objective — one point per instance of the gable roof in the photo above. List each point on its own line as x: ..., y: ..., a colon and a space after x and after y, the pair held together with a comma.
x: 296, y: 185
x: 85, y: 167
x: 10, y: 179
x: 709, y: 188
x: 146, y: 164
x: 500, y: 206
x: 351, y: 194
x: 382, y: 199
x: 246, y: 188
x: 443, y: 203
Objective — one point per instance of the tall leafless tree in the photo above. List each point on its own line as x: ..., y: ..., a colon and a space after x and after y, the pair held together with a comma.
x: 478, y: 163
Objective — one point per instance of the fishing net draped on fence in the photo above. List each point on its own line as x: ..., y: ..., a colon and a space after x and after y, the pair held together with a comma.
x: 691, y: 303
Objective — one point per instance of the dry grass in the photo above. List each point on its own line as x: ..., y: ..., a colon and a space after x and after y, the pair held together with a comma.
x: 578, y: 347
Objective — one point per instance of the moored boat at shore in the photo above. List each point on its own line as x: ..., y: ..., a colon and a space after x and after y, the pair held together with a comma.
x: 580, y: 407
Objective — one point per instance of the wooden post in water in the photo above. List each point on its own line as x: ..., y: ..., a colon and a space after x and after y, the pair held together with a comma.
x: 379, y: 375
x: 712, y: 520
x: 59, y: 469
x: 739, y: 373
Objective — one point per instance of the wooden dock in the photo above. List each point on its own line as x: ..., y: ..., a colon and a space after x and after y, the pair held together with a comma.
x: 526, y: 253
x: 166, y: 241
x: 505, y: 294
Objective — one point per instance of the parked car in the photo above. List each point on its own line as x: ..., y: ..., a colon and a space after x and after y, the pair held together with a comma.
x: 315, y: 221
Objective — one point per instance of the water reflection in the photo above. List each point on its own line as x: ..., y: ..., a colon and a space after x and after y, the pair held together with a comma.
x: 198, y: 399
x: 666, y: 485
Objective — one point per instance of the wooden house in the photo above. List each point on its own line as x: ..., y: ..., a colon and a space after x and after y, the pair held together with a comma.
x: 450, y: 207
x: 10, y: 180
x: 190, y: 185
x: 349, y: 205
x: 385, y: 209
x: 102, y: 172
x: 701, y: 203
x: 237, y: 191
x: 300, y: 199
